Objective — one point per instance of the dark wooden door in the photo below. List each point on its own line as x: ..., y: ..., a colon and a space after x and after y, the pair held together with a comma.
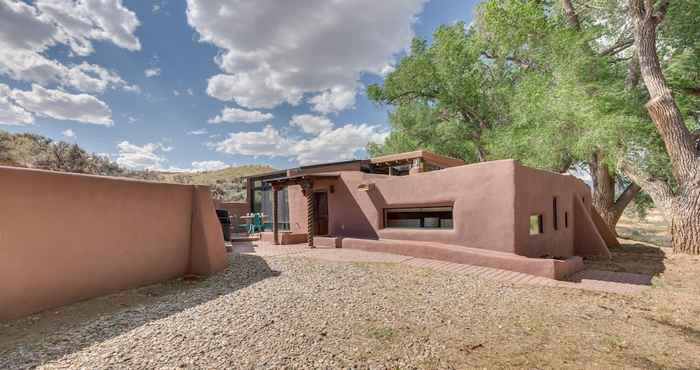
x: 321, y: 214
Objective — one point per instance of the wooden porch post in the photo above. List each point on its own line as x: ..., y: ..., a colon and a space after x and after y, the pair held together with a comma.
x: 309, y: 193
x: 275, y: 215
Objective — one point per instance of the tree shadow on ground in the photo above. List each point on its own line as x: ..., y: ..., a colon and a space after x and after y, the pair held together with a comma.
x: 634, y: 258
x: 52, y: 334
x: 631, y: 263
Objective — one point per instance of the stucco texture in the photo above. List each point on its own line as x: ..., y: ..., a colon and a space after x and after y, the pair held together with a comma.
x: 67, y: 237
x: 492, y: 204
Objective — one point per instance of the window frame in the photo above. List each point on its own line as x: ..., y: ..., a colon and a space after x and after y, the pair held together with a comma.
x: 420, y: 209
x: 540, y: 223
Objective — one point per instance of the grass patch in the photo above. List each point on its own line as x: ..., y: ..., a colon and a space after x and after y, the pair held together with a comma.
x: 383, y: 333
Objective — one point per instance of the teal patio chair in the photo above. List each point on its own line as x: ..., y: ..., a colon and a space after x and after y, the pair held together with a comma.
x: 256, y: 224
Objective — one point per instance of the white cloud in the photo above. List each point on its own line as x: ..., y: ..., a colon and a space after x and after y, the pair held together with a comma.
x: 198, y: 132
x: 329, y: 145
x: 68, y: 133
x: 29, y: 66
x: 235, y: 115
x: 24, y: 28
x: 338, y: 144
x: 208, y: 166
x: 387, y: 69
x: 29, y: 30
x: 152, y: 72
x: 189, y: 92
x: 333, y: 100
x: 11, y: 113
x: 276, y: 51
x: 149, y: 156
x: 82, y: 21
x: 267, y: 142
x: 311, y: 124
x: 252, y: 90
x: 61, y: 105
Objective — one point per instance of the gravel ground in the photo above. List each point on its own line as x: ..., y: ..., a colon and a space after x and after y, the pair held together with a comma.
x: 295, y: 312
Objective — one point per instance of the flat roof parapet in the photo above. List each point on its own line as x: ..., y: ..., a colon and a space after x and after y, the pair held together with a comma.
x: 441, y: 160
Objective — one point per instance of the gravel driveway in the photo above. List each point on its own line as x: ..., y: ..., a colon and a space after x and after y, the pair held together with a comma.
x: 295, y: 312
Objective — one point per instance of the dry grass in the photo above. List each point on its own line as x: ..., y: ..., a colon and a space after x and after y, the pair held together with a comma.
x: 652, y: 229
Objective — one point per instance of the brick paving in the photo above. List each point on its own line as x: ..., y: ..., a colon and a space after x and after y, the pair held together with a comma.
x: 596, y: 280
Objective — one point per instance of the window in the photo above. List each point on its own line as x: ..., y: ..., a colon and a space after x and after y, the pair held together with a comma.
x: 419, y: 218
x: 555, y: 218
x: 536, y: 225
x: 566, y: 220
x: 262, y: 202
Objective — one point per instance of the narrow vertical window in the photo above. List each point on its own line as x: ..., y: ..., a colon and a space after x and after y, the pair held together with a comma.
x: 536, y: 225
x: 566, y: 220
x: 555, y: 218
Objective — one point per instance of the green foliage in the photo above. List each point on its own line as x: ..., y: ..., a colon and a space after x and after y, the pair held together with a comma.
x: 445, y: 96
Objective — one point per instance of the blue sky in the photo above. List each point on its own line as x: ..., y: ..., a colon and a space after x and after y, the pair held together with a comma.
x: 207, y: 83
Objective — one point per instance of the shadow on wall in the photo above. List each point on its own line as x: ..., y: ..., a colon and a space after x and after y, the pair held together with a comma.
x: 41, y: 338
x: 355, y: 222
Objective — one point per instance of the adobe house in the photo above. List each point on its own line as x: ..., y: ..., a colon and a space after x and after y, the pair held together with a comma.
x: 497, y: 214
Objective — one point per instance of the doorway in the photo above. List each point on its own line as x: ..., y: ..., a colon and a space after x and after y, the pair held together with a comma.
x: 321, y: 213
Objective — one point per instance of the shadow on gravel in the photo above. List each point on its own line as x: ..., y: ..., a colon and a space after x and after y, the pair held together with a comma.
x: 631, y: 263
x: 50, y: 335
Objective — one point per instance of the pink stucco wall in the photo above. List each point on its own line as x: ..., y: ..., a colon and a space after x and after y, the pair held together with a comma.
x: 67, y: 237
x: 492, y: 203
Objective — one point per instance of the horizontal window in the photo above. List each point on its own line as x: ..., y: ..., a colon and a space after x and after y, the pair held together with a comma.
x: 419, y: 218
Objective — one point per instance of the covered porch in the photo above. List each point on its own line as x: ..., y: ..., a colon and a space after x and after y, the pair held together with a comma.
x: 316, y: 202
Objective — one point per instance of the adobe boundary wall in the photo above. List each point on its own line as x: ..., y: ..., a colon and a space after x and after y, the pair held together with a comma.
x: 68, y: 237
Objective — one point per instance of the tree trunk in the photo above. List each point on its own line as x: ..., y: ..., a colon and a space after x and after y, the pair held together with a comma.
x: 685, y: 223
x: 684, y: 209
x: 603, y: 199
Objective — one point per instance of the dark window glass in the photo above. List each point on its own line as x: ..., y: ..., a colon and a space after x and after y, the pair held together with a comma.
x: 566, y: 220
x: 264, y: 203
x: 556, y: 214
x: 419, y: 218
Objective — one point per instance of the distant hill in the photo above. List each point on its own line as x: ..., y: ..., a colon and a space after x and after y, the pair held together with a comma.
x: 40, y: 152
x: 227, y: 184
x: 36, y: 151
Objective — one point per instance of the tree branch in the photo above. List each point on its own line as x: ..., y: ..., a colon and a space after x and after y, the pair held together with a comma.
x: 695, y: 91
x: 617, y: 47
x: 661, y: 10
x: 571, y: 15
x: 626, y: 197
x: 659, y: 191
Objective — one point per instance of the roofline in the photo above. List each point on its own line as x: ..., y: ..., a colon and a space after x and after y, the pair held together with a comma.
x: 330, y: 164
x: 284, y: 173
x: 266, y: 174
x: 424, y: 154
x: 302, y: 177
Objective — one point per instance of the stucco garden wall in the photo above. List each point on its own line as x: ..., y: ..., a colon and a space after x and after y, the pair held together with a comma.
x: 67, y: 237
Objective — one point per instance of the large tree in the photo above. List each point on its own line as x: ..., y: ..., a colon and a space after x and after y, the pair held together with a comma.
x: 678, y: 196
x: 446, y: 97
x: 593, y: 69
x: 566, y: 109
